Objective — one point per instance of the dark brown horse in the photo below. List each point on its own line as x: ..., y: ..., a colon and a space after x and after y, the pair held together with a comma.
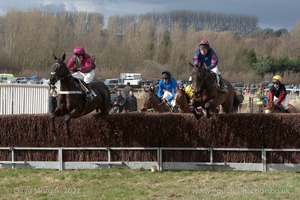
x: 270, y: 108
x: 207, y: 94
x: 72, y: 101
x: 151, y: 101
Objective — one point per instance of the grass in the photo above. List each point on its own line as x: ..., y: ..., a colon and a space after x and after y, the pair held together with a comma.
x: 143, y: 184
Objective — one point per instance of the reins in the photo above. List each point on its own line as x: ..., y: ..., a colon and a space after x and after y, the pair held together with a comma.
x: 64, y: 76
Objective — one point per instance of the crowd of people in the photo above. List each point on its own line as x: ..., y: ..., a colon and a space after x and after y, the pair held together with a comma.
x: 126, y: 103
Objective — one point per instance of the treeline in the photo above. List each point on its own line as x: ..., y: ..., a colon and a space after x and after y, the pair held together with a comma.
x: 148, y: 43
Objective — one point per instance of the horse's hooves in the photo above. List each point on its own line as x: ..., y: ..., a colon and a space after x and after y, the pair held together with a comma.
x: 198, y: 115
x: 208, y: 115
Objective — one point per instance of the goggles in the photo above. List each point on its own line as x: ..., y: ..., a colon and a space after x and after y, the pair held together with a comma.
x: 78, y: 55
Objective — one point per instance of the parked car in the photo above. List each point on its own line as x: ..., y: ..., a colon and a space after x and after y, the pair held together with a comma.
x: 22, y: 80
x: 111, y: 82
x: 238, y: 85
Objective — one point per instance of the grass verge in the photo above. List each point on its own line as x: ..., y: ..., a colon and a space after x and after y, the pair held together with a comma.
x: 143, y: 184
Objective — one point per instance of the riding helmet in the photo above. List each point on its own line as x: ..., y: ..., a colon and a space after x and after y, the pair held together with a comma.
x: 166, y: 74
x: 79, y: 50
x: 277, y: 78
x: 204, y: 44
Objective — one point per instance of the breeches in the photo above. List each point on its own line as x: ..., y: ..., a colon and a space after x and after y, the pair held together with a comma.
x: 285, y: 101
x: 86, y: 77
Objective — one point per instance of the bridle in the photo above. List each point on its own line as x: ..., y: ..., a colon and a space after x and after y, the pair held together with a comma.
x: 64, y: 73
x: 199, y: 82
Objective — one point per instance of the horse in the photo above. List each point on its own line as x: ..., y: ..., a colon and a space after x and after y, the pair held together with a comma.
x: 207, y: 93
x: 72, y: 102
x: 271, y: 108
x: 151, y: 101
x: 182, y: 101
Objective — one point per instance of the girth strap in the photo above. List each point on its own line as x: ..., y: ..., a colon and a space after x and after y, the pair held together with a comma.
x: 70, y: 92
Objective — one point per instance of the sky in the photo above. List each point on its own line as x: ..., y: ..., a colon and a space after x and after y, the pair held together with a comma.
x: 275, y: 14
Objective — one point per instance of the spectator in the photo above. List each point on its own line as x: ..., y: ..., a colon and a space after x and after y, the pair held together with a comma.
x: 127, y: 88
x: 119, y: 101
x: 114, y: 89
x: 52, y: 100
x: 130, y: 102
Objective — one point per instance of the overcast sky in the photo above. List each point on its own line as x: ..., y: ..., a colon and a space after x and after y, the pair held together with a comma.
x: 275, y: 14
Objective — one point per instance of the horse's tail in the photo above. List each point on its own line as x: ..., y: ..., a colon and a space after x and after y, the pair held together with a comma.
x: 237, y: 101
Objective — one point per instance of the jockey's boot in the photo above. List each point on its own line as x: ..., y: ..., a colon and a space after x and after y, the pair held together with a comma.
x: 288, y: 110
x: 89, y: 95
x: 223, y: 87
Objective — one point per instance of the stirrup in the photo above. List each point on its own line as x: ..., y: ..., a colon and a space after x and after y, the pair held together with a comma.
x: 223, y: 89
x: 89, y: 97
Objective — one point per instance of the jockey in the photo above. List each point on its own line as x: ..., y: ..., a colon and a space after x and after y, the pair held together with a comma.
x: 278, y: 94
x: 189, y: 90
x: 209, y: 57
x: 82, y: 67
x: 166, y: 87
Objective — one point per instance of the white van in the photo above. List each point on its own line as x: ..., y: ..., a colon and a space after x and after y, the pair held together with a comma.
x: 5, y: 77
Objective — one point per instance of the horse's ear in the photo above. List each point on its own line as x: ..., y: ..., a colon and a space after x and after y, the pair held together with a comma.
x: 191, y: 65
x: 54, y: 56
x: 151, y: 90
x: 64, y: 56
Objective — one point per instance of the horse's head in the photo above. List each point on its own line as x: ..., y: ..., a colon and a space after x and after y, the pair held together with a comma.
x: 178, y: 97
x: 59, y: 69
x: 147, y: 99
x: 269, y: 107
x: 199, y: 74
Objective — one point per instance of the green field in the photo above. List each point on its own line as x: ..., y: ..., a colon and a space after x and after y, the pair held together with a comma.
x: 143, y: 184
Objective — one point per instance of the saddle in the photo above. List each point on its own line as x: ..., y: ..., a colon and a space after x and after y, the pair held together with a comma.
x: 215, y: 78
x: 80, y: 85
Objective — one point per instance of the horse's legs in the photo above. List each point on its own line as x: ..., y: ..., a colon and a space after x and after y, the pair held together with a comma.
x: 207, y: 106
x: 198, y: 115
x: 67, y: 120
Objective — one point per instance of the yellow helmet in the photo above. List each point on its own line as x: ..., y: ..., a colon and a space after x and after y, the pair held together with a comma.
x: 190, y: 79
x: 277, y: 78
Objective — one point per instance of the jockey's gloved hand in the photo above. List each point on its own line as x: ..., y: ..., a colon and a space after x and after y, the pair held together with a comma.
x: 279, y: 106
x: 164, y: 101
x: 75, y: 70
x: 209, y: 68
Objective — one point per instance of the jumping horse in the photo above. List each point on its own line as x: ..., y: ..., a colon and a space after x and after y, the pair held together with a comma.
x: 271, y: 108
x: 151, y: 101
x: 207, y: 93
x: 182, y: 102
x: 72, y: 102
